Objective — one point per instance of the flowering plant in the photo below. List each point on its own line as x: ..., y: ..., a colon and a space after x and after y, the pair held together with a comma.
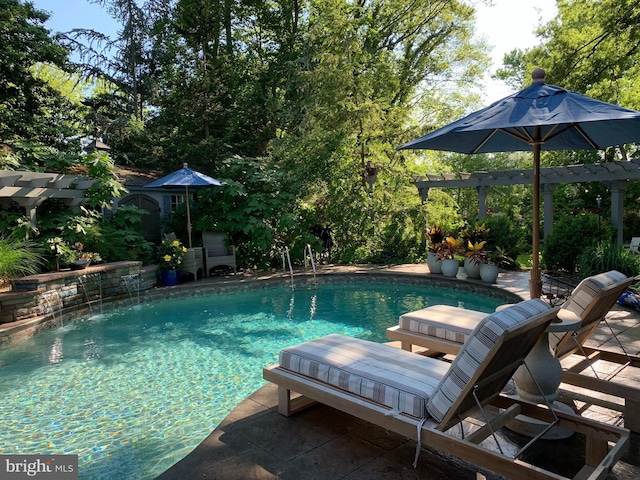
x: 170, y: 254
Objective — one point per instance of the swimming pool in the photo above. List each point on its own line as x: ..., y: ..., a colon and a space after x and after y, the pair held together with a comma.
x: 133, y: 392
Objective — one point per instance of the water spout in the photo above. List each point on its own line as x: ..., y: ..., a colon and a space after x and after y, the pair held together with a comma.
x: 129, y: 281
x: 82, y: 281
x: 51, y: 304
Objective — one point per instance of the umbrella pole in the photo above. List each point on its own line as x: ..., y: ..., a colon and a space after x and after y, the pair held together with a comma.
x: 535, y: 283
x: 186, y: 189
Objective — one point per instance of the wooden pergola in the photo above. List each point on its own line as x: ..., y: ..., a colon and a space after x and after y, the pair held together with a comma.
x: 30, y: 189
x: 615, y: 176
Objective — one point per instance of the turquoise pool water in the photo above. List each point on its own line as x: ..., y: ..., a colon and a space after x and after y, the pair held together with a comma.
x: 133, y: 392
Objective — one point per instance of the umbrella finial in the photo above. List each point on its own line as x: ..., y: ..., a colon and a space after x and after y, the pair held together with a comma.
x: 537, y: 76
x: 185, y: 165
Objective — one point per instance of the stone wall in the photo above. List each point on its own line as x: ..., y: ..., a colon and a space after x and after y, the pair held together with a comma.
x: 38, y: 302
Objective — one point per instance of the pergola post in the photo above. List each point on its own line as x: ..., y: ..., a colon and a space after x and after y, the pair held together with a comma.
x: 617, y: 189
x: 482, y: 202
x: 424, y: 194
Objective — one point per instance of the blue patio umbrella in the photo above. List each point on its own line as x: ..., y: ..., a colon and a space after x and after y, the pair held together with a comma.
x: 540, y: 117
x: 185, y: 178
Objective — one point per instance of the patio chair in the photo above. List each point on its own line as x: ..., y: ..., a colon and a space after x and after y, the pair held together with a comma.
x: 634, y: 246
x: 443, y: 329
x: 426, y: 398
x: 217, y: 251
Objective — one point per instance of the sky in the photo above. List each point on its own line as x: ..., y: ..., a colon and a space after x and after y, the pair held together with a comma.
x: 506, y: 24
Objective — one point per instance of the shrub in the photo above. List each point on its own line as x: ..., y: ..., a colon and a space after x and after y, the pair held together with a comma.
x: 503, y: 232
x: 606, y: 256
x: 570, y: 237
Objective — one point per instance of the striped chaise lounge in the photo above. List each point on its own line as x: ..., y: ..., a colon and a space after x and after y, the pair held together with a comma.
x: 423, y: 398
x: 443, y: 329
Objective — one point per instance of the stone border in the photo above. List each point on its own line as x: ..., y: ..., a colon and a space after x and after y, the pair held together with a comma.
x: 37, y: 314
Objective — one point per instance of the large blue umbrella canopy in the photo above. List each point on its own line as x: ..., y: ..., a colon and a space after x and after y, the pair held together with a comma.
x: 540, y: 117
x: 185, y: 178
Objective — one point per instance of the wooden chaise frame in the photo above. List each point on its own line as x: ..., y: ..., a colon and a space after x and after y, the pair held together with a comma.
x: 569, y: 344
x: 495, y: 371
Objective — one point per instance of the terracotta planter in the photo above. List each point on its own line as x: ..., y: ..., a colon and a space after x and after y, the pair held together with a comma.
x: 433, y: 263
x: 450, y: 267
x: 489, y: 273
x: 471, y: 268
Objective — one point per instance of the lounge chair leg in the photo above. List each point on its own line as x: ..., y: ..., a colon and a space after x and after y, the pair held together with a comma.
x: 596, y: 450
x: 405, y: 345
x: 288, y: 406
x: 284, y: 401
x: 631, y: 419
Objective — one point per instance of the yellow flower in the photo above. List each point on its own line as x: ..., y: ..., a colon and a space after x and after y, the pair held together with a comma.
x: 176, y: 243
x: 167, y: 258
x: 184, y: 250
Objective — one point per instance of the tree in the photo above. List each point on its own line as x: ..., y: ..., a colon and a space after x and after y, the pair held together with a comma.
x: 367, y: 68
x: 27, y: 101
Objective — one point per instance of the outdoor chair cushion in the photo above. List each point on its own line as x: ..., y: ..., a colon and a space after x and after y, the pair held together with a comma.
x: 442, y: 321
x: 398, y: 379
x: 474, y: 351
x: 588, y: 288
x: 382, y: 373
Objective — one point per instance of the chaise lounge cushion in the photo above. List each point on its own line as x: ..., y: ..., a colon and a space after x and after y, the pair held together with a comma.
x: 398, y: 379
x: 442, y: 321
x: 588, y: 288
x: 475, y: 350
x: 387, y: 375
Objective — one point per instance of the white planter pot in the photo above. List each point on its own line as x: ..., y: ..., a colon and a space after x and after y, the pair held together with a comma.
x: 472, y: 268
x: 433, y: 263
x: 450, y: 267
x: 489, y: 273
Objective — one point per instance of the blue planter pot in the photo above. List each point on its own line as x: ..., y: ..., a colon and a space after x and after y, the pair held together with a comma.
x: 170, y: 277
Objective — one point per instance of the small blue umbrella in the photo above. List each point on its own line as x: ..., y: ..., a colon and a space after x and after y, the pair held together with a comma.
x: 540, y: 117
x: 185, y: 177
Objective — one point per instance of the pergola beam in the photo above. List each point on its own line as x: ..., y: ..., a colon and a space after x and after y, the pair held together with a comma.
x: 614, y: 175
x: 30, y: 189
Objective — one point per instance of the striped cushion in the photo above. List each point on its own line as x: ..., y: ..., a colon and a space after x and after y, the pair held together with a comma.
x: 475, y: 350
x: 442, y: 321
x: 588, y: 288
x: 381, y: 373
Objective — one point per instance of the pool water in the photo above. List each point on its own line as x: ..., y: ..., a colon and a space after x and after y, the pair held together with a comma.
x: 134, y: 391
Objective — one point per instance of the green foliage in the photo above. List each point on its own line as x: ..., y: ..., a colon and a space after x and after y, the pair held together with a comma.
x: 605, y: 256
x: 102, y: 168
x: 26, y: 102
x: 503, y: 232
x: 117, y: 237
x: 17, y: 259
x: 571, y: 236
x: 257, y: 208
x: 113, y: 238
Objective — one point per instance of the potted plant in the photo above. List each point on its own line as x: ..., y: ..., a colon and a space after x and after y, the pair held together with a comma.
x: 474, y: 258
x: 446, y: 251
x: 476, y: 234
x: 83, y: 259
x: 436, y: 236
x: 170, y: 255
x: 495, y: 260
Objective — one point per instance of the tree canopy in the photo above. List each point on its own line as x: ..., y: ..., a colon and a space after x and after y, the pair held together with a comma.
x: 289, y: 101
